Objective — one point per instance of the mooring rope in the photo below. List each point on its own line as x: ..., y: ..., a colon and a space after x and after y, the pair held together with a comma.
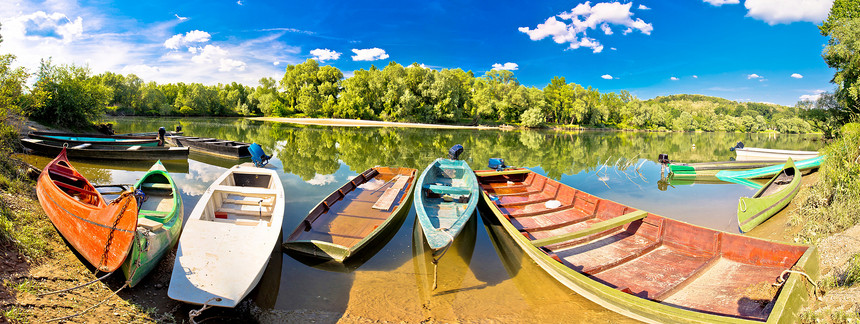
x: 196, y: 312
x: 75, y: 287
x: 91, y: 307
x: 781, y: 280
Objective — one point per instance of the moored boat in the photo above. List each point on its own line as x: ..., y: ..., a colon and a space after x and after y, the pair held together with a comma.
x: 158, y: 224
x: 770, y: 199
x: 213, y: 146
x: 355, y: 215
x: 89, y: 151
x: 756, y: 153
x: 73, y: 139
x: 767, y: 172
x: 101, y: 232
x: 687, y: 170
x: 228, y: 238
x: 642, y: 265
x: 446, y: 197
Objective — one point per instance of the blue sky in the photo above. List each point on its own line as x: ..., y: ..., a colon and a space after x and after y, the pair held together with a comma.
x: 752, y: 50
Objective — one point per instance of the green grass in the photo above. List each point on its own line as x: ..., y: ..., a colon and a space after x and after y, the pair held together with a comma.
x: 847, y: 278
x: 13, y: 315
x: 831, y: 204
x: 829, y: 315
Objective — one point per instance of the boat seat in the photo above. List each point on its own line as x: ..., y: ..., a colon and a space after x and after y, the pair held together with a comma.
x: 441, y: 190
x: 593, y: 229
x: 253, y: 202
x: 264, y: 213
x: 73, y: 188
x: 134, y: 148
x: 82, y: 146
x: 149, y: 224
x: 156, y: 213
x: 160, y: 186
x: 246, y: 191
x: 64, y: 175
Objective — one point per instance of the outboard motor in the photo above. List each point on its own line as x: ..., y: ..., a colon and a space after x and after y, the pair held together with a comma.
x: 739, y: 145
x: 497, y: 164
x: 455, y: 151
x: 178, y: 128
x: 663, y: 158
x: 259, y: 157
x: 161, y: 133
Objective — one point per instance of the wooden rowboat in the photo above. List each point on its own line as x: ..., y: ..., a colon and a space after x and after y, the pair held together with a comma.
x: 447, y: 199
x: 89, y: 151
x: 737, y: 169
x: 755, y: 153
x: 770, y: 199
x: 102, y: 233
x: 213, y: 146
x: 691, y: 170
x: 73, y: 139
x: 642, y: 265
x: 355, y: 215
x: 228, y: 238
x: 159, y: 222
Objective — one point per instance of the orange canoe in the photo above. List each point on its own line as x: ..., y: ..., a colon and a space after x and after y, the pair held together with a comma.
x: 102, y: 233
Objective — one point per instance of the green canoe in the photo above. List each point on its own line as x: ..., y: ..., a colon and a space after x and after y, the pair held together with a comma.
x: 158, y: 224
x: 770, y: 199
x: 447, y: 199
x: 770, y: 171
x: 692, y: 170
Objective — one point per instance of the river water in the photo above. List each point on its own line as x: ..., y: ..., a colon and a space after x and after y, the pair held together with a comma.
x: 485, y: 277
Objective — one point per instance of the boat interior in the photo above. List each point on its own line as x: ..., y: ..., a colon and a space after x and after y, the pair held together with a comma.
x: 73, y: 183
x: 446, y: 193
x: 782, y: 180
x: 642, y: 254
x: 355, y: 210
x: 243, y: 198
x: 159, y: 204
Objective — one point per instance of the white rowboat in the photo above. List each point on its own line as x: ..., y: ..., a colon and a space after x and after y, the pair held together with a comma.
x: 755, y: 153
x: 228, y: 238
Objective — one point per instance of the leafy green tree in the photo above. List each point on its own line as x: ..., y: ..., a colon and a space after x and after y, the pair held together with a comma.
x: 843, y: 54
x: 533, y: 117
x: 839, y: 10
x: 76, y: 99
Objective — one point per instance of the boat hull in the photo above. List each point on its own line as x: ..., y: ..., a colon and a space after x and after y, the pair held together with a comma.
x: 213, y: 146
x: 78, y: 139
x: 151, y: 243
x: 349, y: 208
x: 442, y: 220
x: 118, y: 153
x: 755, y: 153
x: 764, y: 203
x: 626, y: 285
x: 86, y: 221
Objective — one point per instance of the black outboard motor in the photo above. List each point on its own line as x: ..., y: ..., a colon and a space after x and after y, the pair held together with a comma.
x: 455, y: 151
x: 739, y: 145
x: 178, y: 128
x: 161, y: 133
x: 663, y: 158
x: 497, y: 164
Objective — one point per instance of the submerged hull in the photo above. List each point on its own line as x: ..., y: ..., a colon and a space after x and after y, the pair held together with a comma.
x: 101, y: 233
x: 355, y: 215
x: 445, y: 199
x: 642, y: 265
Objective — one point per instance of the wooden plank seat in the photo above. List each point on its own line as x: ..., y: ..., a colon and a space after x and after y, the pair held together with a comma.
x: 245, y: 191
x: 73, y: 188
x: 442, y: 190
x: 594, y: 229
x: 155, y: 213
x: 264, y: 213
x: 149, y: 224
x: 158, y: 186
x: 134, y: 148
x: 250, y: 202
x: 66, y: 175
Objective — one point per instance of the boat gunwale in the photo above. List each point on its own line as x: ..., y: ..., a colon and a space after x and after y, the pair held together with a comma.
x: 420, y: 210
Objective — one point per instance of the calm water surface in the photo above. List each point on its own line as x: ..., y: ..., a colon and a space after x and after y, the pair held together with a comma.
x: 485, y: 277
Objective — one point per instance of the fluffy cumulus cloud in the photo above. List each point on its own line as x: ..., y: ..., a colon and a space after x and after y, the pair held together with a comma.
x: 753, y: 76
x: 571, y: 27
x: 643, y: 7
x: 325, y: 54
x: 695, y: 77
x: 786, y: 11
x: 211, y: 54
x: 722, y: 2
x: 369, y: 54
x: 321, y: 179
x: 507, y: 66
x: 796, y: 76
x: 55, y: 25
x: 673, y: 79
x: 812, y: 97
x: 606, y: 77
x: 179, y: 40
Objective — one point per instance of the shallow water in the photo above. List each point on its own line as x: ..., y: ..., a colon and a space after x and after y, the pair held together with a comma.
x: 484, y: 278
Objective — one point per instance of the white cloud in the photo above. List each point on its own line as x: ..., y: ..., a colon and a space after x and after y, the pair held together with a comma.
x: 240, y: 3
x: 673, y: 79
x: 276, y: 63
x: 211, y: 54
x: 643, y: 7
x: 722, y: 2
x: 607, y: 77
x: 796, y: 76
x: 369, y: 54
x: 194, y: 36
x: 56, y: 25
x: 613, y: 48
x: 584, y: 17
x: 321, y: 179
x: 180, y: 18
x: 787, y: 11
x: 507, y: 66
x: 325, y: 54
x: 812, y: 97
x: 695, y: 77
x: 753, y: 76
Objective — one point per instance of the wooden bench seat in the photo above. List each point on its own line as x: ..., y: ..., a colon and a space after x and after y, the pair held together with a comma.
x: 594, y: 229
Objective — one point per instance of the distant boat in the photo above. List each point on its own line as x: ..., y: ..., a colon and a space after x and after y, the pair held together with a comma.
x: 644, y: 266
x: 354, y: 216
x: 101, y: 232
x: 755, y: 153
x: 73, y: 139
x: 770, y: 199
x: 213, y: 146
x: 89, y: 151
x: 446, y: 198
x: 158, y: 224
x: 736, y: 169
x: 228, y: 238
x: 767, y: 172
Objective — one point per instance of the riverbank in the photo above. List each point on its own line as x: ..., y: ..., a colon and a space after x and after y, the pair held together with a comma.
x: 362, y: 123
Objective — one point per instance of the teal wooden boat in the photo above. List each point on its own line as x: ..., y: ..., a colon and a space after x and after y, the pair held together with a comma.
x: 692, y: 170
x: 770, y: 199
x: 448, y: 195
x: 159, y: 222
x: 770, y: 171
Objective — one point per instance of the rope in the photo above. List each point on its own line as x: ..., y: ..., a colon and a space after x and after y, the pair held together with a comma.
x: 75, y: 287
x: 781, y: 280
x: 90, y: 308
x: 196, y: 312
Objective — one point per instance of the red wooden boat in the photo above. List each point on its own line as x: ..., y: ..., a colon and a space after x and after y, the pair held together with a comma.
x: 642, y: 265
x: 102, y: 233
